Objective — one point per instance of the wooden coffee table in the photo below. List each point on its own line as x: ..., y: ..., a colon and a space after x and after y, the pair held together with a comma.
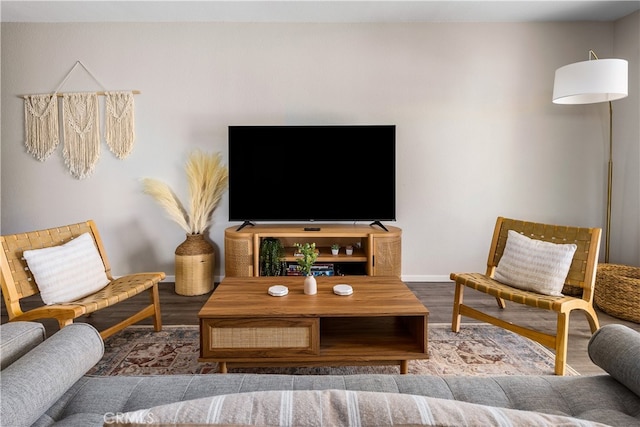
x: 381, y: 323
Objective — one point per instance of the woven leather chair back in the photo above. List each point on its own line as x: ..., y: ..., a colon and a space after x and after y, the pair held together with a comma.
x: 581, y: 273
x: 577, y: 293
x: 17, y: 271
x: 18, y: 282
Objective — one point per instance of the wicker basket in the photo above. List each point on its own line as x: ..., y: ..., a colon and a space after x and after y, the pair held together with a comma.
x: 618, y: 291
x: 194, y: 266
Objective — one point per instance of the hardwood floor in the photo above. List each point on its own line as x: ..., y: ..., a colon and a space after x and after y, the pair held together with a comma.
x: 437, y: 297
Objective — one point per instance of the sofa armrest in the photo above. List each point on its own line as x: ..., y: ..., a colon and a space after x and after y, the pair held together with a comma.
x: 34, y: 382
x: 17, y: 339
x: 615, y: 348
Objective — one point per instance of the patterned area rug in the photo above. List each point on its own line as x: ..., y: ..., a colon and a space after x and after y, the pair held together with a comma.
x: 479, y: 349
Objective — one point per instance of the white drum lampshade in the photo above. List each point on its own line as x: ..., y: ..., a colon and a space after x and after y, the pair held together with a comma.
x: 591, y: 81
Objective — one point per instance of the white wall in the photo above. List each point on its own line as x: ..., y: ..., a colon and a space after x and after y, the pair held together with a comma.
x: 477, y: 134
x: 625, y: 236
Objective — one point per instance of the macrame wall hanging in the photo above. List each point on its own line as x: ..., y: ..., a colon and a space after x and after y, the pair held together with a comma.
x: 80, y: 125
x: 80, y: 133
x: 41, y: 125
x: 119, y: 126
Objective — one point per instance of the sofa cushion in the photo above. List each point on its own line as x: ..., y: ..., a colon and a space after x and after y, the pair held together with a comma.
x: 67, y: 272
x: 334, y: 408
x: 39, y: 378
x: 616, y: 348
x: 534, y: 265
x: 17, y: 339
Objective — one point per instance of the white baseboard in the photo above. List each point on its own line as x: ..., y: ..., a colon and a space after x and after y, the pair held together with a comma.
x: 172, y: 279
x: 405, y: 278
x: 425, y: 278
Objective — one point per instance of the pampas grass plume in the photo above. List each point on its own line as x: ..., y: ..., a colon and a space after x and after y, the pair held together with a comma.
x: 207, y: 180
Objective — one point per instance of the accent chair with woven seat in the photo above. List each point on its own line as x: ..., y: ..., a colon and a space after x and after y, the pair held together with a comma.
x: 68, y: 267
x: 544, y: 266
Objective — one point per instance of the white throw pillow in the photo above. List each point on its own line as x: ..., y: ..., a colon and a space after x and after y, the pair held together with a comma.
x: 534, y: 265
x: 332, y: 408
x: 67, y: 272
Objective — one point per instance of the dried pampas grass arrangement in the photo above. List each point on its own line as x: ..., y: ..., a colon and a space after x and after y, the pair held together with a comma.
x: 207, y: 180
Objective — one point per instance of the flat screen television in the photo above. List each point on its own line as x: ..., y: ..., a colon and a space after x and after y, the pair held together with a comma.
x: 312, y: 173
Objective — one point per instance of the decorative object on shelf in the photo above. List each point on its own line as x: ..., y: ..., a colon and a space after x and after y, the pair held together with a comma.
x: 310, y: 285
x: 349, y: 250
x: 271, y: 254
x: 335, y: 248
x: 81, y: 133
x: 305, y: 262
x: 207, y: 179
x: 80, y: 126
x: 41, y: 125
x: 589, y: 82
x: 119, y: 127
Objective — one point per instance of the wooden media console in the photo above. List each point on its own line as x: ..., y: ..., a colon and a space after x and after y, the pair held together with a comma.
x: 376, y: 252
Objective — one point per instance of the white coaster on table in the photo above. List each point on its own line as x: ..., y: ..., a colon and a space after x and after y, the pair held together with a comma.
x: 278, y: 291
x: 342, y: 289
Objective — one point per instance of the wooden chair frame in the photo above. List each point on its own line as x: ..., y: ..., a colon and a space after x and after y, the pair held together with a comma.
x: 577, y: 293
x: 18, y: 282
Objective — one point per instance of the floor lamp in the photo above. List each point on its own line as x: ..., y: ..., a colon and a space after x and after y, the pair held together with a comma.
x: 589, y: 82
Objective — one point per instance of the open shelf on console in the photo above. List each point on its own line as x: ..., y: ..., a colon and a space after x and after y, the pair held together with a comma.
x: 325, y: 255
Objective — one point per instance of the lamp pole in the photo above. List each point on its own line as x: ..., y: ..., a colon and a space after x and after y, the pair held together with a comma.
x: 609, y: 186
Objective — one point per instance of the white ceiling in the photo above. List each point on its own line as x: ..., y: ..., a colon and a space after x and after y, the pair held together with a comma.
x: 314, y: 11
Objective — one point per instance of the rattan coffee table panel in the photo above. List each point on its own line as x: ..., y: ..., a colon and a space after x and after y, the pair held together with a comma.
x: 257, y: 337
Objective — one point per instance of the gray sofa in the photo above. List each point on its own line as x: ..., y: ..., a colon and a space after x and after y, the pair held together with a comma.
x: 43, y: 383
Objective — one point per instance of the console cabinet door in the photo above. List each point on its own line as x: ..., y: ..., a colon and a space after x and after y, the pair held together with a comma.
x: 387, y: 256
x: 238, y: 256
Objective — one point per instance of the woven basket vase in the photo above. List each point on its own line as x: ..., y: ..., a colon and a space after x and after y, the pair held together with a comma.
x: 618, y: 291
x: 194, y: 266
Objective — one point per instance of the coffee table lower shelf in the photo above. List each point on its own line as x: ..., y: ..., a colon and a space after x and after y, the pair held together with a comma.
x: 313, y: 341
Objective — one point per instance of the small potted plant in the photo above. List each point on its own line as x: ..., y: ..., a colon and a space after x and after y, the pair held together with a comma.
x: 349, y: 250
x: 305, y: 262
x: 271, y: 253
x: 335, y: 248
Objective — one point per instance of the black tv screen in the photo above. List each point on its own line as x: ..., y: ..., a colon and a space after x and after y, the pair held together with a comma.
x: 312, y: 173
